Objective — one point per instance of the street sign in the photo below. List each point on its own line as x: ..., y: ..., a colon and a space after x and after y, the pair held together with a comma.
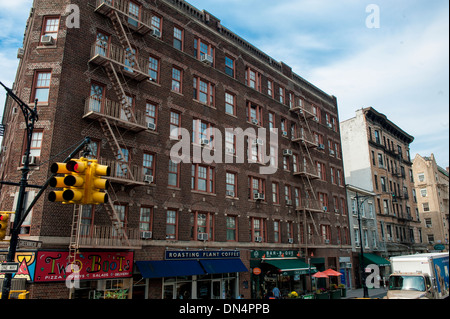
x: 24, y: 243
x: 9, y: 268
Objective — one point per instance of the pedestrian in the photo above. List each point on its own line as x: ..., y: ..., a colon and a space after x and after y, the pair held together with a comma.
x: 276, y: 292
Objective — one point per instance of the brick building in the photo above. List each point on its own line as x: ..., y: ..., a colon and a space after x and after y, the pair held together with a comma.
x: 132, y: 76
x: 377, y: 159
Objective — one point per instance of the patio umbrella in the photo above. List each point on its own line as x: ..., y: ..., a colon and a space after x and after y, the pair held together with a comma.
x: 320, y: 275
x: 331, y: 272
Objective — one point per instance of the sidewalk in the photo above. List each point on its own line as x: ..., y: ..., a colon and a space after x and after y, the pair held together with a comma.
x: 359, y: 293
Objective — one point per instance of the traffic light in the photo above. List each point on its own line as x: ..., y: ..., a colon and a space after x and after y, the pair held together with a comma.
x: 96, y: 183
x: 4, y: 220
x: 73, y: 182
x: 82, y: 182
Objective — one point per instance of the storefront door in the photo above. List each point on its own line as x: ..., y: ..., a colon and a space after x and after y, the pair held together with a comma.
x: 216, y: 289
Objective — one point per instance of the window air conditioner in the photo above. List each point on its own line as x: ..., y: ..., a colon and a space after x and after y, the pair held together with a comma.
x: 291, y: 240
x: 206, y: 58
x: 327, y: 241
x: 325, y: 208
x: 321, y: 147
x: 230, y: 193
x: 259, y: 196
x: 284, y: 133
x: 148, y: 178
x: 146, y: 235
x: 32, y: 160
x: 47, y: 40
x: 204, y: 141
x: 202, y: 236
x: 255, y: 121
x: 151, y: 126
x: 20, y: 53
x: 330, y: 125
x: 289, y: 202
x: 258, y: 239
x: 156, y: 33
x: 287, y: 152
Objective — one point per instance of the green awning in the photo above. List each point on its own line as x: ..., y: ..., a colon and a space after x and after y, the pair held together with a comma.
x: 289, y: 267
x: 375, y: 259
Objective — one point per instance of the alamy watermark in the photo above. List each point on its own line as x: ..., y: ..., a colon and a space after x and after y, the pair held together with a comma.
x: 373, y: 19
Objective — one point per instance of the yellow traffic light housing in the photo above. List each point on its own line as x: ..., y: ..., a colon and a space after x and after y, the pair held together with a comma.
x: 4, y: 221
x: 82, y: 182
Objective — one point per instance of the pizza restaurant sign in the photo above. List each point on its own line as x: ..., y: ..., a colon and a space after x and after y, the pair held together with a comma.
x: 54, y: 266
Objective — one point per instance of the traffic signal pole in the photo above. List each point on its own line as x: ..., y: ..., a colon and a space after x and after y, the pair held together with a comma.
x: 31, y: 116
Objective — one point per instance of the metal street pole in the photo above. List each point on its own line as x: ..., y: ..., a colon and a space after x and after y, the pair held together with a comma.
x: 363, y: 270
x: 31, y: 116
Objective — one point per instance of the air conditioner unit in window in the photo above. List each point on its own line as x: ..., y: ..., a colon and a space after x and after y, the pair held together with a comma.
x: 325, y: 208
x: 284, y: 133
x: 348, y: 265
x: 32, y: 160
x: 146, y: 235
x: 321, y: 147
x: 287, y: 152
x: 331, y: 152
x: 289, y: 202
x: 151, y: 126
x: 291, y: 240
x: 330, y: 125
x: 255, y: 121
x: 206, y: 58
x: 47, y: 40
x: 148, y: 178
x: 259, y: 196
x: 230, y: 193
x: 20, y: 53
x: 156, y: 33
x: 258, y: 239
x: 202, y: 236
x: 327, y: 241
x: 204, y: 141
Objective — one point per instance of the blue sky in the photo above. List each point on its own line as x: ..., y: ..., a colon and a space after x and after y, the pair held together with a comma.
x: 401, y: 68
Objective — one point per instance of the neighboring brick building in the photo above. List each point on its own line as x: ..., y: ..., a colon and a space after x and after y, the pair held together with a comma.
x: 431, y: 192
x: 133, y: 75
x: 377, y: 159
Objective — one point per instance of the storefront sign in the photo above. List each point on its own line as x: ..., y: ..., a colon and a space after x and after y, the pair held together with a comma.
x: 256, y: 271
x: 274, y: 254
x: 201, y: 254
x: 53, y: 265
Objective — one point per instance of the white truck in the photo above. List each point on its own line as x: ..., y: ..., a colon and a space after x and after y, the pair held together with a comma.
x: 420, y: 276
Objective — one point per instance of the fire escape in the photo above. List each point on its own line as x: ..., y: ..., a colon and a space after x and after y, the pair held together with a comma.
x: 122, y: 65
x: 307, y: 171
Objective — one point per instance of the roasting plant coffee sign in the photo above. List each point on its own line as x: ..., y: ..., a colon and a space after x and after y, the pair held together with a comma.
x: 201, y: 254
x: 54, y: 265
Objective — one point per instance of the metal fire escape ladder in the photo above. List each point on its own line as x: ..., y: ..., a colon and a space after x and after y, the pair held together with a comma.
x: 75, y: 234
x: 114, y: 216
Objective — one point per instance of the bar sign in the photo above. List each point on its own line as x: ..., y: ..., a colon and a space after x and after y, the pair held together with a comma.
x: 9, y: 268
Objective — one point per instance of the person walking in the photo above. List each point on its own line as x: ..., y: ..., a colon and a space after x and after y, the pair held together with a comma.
x: 276, y: 292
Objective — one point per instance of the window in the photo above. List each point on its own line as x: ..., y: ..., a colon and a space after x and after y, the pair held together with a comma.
x: 36, y: 143
x: 50, y: 27
x: 87, y: 219
x: 257, y: 229
x: 386, y: 206
x: 231, y: 228
x: 297, y: 196
x: 176, y: 80
x: 290, y: 230
x: 253, y: 79
x: 150, y: 113
x: 148, y: 164
x: 121, y: 210
x: 255, y: 186
x: 283, y: 127
x: 276, y: 231
x: 202, y: 48
x: 383, y: 184
x: 231, y: 185
x: 295, y: 163
x: 230, y: 103
x: 229, y: 66
x: 230, y: 142
x: 145, y: 219
x: 130, y: 59
x: 323, y: 198
x: 202, y: 178
x: 102, y: 44
x: 256, y: 151
x: 122, y: 171
x: 202, y: 223
x: 157, y: 23
x: 326, y: 233
x: 202, y: 130
x: 281, y: 94
x: 321, y: 171
x: 153, y: 69
x: 421, y: 177
x: 380, y: 160
x: 271, y: 120
x: 203, y: 91
x: 254, y: 114
x: 287, y: 193
x: 275, y: 193
x: 97, y: 97
x: 377, y: 136
x: 270, y: 88
x: 426, y: 207
x: 41, y: 87
x: 178, y: 38
x: 175, y: 125
x: 423, y: 192
x: 134, y: 13
x: 171, y: 224
x: 174, y: 173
